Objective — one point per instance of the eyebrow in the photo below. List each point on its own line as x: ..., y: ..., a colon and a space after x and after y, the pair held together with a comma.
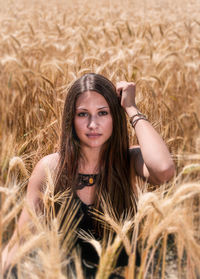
x: 80, y: 108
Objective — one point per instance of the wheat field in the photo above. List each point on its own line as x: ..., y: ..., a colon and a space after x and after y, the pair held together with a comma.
x: 44, y: 47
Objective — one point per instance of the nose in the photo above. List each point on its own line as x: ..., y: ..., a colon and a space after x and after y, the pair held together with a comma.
x: 92, y: 123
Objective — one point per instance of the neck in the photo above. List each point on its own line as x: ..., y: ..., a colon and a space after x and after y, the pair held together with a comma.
x: 90, y: 161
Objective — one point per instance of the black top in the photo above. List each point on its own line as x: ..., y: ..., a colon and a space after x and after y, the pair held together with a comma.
x: 87, y: 224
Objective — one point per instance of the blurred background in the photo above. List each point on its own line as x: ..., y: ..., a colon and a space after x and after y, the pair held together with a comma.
x: 46, y: 45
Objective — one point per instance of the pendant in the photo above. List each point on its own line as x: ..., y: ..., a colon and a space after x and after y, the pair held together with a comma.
x: 91, y: 180
x: 86, y: 180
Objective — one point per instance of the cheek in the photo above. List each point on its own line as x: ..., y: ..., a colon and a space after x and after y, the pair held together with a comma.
x: 109, y: 126
x: 78, y: 125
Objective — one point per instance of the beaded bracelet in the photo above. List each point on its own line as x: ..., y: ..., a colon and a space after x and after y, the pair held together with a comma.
x: 139, y: 116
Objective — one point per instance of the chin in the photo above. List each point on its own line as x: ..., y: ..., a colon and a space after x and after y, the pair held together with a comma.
x: 93, y: 144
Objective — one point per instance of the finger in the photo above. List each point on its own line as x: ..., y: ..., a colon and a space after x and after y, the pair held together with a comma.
x: 121, y: 83
x: 120, y: 86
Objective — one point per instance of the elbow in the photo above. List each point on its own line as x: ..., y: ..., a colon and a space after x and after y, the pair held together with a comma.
x: 166, y: 173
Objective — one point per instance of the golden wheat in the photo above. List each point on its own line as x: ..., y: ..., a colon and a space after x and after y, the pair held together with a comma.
x: 44, y: 47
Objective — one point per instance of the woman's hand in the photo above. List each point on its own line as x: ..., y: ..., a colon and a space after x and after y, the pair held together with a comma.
x: 126, y: 91
x: 151, y: 159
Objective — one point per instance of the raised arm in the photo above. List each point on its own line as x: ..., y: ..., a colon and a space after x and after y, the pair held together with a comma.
x: 151, y: 158
x: 33, y: 198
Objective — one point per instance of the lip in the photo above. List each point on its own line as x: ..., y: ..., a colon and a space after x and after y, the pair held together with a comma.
x: 93, y: 135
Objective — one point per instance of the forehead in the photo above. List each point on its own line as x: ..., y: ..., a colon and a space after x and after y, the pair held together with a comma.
x: 91, y: 98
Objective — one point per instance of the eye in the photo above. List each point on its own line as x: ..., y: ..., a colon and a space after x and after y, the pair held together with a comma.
x: 82, y: 114
x: 102, y: 112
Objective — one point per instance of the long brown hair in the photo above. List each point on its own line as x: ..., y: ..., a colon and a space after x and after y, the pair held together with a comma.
x: 115, y: 180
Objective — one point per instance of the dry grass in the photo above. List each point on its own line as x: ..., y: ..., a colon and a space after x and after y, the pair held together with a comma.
x: 44, y: 48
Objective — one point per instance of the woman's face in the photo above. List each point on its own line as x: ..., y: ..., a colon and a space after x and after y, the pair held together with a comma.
x: 93, y: 121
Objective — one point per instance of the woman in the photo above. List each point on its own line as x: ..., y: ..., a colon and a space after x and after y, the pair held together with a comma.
x: 94, y: 156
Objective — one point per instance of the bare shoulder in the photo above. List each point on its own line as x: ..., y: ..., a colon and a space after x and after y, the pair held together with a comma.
x: 39, y: 174
x: 50, y: 161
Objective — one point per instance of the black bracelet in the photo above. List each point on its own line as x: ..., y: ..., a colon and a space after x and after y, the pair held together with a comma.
x: 139, y: 116
x: 136, y: 120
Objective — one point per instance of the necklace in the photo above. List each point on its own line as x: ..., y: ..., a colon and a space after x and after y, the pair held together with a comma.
x: 86, y: 180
